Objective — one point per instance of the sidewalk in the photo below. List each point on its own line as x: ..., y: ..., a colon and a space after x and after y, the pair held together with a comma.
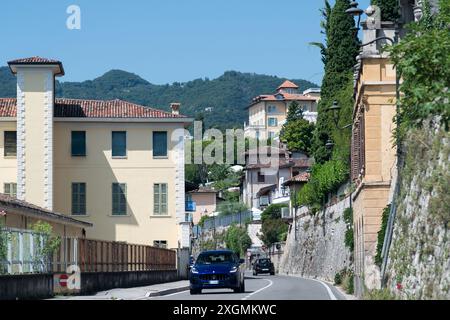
x: 134, y: 293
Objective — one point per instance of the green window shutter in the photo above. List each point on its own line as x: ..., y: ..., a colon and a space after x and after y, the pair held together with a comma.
x: 160, y: 144
x: 160, y: 199
x: 119, y: 144
x: 10, y: 143
x: 78, y: 143
x: 79, y: 199
x: 119, y: 199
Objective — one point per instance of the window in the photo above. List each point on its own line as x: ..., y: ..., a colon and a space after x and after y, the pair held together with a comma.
x: 273, y: 122
x: 160, y: 199
x: 10, y: 147
x: 119, y: 144
x: 160, y: 244
x: 159, y: 144
x: 10, y: 189
x: 272, y: 109
x: 78, y: 143
x: 79, y: 199
x: 119, y: 199
x: 261, y: 177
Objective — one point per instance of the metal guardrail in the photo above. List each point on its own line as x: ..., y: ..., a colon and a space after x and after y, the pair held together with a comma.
x: 389, y: 232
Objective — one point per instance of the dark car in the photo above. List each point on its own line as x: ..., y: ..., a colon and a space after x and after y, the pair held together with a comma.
x: 217, y: 270
x: 263, y: 266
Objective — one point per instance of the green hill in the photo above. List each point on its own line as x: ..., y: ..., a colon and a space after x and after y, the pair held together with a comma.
x: 227, y: 95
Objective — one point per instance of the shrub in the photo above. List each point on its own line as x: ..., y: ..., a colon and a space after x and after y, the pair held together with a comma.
x: 349, y: 234
x: 228, y: 208
x: 273, y: 212
x: 325, y: 178
x: 273, y: 231
x: 338, y: 279
x: 237, y: 239
x: 383, y: 294
x: 381, y: 236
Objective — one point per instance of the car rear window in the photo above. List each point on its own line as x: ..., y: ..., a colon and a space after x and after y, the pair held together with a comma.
x: 264, y: 261
x: 215, y: 258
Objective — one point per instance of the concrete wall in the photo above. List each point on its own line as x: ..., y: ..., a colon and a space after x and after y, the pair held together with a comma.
x: 319, y: 250
x: 40, y: 286
x: 101, y: 281
x: 26, y: 287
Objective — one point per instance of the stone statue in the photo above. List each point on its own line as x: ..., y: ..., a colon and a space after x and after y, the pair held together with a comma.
x: 373, y: 17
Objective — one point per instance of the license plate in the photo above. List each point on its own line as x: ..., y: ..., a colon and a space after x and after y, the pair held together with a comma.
x: 214, y: 282
x: 265, y: 269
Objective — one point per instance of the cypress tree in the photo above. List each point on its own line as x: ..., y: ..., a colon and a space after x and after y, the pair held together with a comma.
x: 339, y: 54
x: 389, y: 9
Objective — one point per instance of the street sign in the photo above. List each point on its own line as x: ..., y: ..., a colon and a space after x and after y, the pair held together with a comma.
x: 63, y: 280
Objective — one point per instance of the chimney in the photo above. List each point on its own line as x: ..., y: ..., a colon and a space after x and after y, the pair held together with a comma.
x: 175, y: 107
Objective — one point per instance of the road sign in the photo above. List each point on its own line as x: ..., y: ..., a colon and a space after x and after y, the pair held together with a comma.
x: 63, y: 280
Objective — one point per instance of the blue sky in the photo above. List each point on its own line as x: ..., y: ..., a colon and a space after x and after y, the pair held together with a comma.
x: 168, y: 40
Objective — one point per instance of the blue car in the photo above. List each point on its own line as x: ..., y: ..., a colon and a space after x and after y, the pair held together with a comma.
x: 217, y: 270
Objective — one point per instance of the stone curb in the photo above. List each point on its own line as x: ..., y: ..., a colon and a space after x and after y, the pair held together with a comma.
x: 166, y: 292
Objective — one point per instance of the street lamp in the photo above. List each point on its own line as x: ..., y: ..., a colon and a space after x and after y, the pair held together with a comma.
x: 329, y: 145
x: 335, y: 109
x: 355, y: 12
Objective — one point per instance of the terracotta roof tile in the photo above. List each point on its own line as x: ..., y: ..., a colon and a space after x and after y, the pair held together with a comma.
x: 288, y: 85
x: 300, y: 178
x: 36, y: 59
x: 78, y: 108
x: 8, y: 107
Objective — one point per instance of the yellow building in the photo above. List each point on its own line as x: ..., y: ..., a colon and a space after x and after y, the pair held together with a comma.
x: 115, y: 164
x: 373, y: 154
x: 267, y: 113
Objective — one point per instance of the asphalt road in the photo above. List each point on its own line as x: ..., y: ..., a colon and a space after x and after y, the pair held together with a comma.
x: 266, y: 287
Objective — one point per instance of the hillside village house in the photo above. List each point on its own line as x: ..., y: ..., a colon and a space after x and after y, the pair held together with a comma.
x: 115, y: 164
x: 267, y: 113
x: 206, y: 200
x: 262, y: 186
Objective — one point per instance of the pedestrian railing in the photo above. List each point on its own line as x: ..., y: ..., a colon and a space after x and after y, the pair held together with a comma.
x: 223, y: 222
x: 24, y: 252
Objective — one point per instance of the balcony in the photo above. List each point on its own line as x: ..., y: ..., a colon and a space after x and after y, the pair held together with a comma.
x: 191, y: 206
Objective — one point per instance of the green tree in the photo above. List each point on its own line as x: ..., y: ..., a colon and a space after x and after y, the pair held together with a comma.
x: 238, y: 240
x: 338, y: 53
x: 228, y: 208
x: 273, y: 212
x: 273, y: 231
x: 294, y: 112
x: 389, y: 9
x: 422, y: 59
x: 298, y: 134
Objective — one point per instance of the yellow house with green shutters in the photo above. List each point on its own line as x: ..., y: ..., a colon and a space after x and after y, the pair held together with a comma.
x: 115, y: 164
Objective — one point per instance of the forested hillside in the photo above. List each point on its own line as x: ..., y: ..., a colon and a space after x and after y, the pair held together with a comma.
x: 227, y: 95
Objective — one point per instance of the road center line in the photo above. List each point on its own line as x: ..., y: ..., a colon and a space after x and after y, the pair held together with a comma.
x: 266, y: 287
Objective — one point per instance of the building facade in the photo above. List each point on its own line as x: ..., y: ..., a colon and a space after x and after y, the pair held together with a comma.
x: 267, y: 113
x: 117, y: 165
x: 374, y: 155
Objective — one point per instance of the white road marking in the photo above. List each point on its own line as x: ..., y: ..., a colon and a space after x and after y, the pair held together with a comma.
x: 266, y: 287
x: 330, y: 292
